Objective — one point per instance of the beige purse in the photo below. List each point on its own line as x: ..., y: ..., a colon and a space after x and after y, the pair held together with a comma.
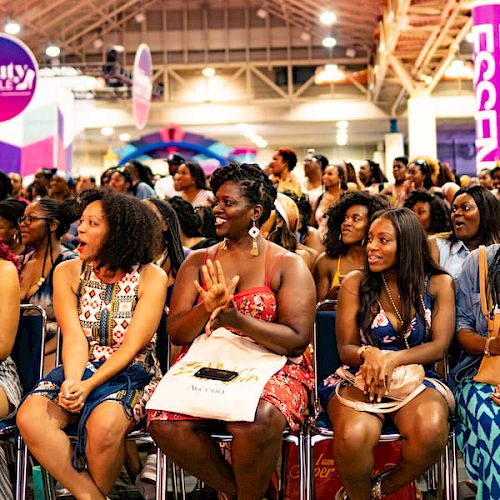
x: 489, y: 369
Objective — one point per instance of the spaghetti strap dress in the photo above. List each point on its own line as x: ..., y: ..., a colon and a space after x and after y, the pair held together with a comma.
x: 288, y: 388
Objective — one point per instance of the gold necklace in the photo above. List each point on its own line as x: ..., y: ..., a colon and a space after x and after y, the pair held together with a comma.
x: 398, y: 314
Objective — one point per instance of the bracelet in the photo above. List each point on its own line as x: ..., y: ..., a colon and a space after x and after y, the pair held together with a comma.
x: 362, y: 350
x: 487, y: 346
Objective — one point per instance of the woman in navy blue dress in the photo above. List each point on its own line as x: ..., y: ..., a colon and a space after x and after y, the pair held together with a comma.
x: 402, y: 303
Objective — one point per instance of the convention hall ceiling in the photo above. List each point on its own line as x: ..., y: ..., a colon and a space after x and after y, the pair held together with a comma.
x: 385, y: 49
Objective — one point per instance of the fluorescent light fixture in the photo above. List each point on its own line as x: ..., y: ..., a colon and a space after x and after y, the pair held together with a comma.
x: 342, y: 124
x: 12, y: 28
x: 329, y: 42
x: 327, y: 18
x: 124, y: 137
x: 53, y: 51
x: 107, y: 131
x: 209, y: 72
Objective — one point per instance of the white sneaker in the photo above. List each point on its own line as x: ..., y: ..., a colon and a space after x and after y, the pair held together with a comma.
x: 148, y: 473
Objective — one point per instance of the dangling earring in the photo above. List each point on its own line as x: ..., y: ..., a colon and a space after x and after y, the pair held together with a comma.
x: 254, y: 232
x: 223, y: 244
x: 340, y: 237
x: 363, y: 242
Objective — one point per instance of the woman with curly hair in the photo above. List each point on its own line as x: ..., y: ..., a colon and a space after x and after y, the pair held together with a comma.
x: 344, y: 242
x: 250, y: 287
x: 108, y: 304
x: 120, y: 181
x: 191, y: 181
x: 430, y: 210
x: 11, y: 210
x: 399, y: 310
x: 43, y: 226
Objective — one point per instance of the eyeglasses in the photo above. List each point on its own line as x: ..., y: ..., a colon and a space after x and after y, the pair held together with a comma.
x: 28, y: 219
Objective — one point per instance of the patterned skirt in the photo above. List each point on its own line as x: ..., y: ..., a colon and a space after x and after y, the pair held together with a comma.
x: 288, y: 390
x: 478, y: 436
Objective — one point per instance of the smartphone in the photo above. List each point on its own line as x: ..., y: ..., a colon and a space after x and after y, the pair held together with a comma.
x: 216, y: 374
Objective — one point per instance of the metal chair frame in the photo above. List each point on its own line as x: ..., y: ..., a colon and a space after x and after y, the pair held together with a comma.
x: 21, y: 447
x: 448, y: 460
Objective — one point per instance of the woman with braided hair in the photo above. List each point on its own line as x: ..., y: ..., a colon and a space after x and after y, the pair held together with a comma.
x: 42, y: 226
x: 248, y: 285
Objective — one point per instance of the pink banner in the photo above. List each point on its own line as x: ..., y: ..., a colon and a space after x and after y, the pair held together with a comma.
x: 486, y: 31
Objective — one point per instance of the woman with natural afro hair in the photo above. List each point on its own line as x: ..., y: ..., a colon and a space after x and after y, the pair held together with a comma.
x: 430, y: 210
x: 108, y: 304
x: 262, y: 292
x: 345, y: 240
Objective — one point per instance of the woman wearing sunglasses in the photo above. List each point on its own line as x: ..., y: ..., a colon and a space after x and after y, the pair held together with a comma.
x: 43, y: 225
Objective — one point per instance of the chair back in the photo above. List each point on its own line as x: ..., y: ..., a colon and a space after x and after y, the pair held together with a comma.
x: 28, y: 351
x: 326, y: 358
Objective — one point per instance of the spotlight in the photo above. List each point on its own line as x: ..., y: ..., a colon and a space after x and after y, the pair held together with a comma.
x: 329, y: 42
x: 209, y: 72
x: 262, y: 13
x: 53, y: 51
x: 12, y: 28
x: 124, y: 137
x: 327, y: 18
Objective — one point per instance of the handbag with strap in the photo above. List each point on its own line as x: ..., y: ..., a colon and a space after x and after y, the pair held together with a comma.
x: 489, y: 369
x: 235, y: 400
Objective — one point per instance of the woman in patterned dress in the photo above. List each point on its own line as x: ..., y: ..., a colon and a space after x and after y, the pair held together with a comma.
x: 108, y: 304
x: 266, y: 307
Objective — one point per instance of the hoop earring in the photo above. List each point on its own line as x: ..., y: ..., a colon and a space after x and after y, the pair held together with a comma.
x: 363, y: 242
x: 254, y: 232
x: 340, y: 237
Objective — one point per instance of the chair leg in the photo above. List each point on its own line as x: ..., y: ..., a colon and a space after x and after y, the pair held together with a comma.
x: 161, y: 475
x: 21, y: 468
x: 451, y: 468
x: 305, y: 477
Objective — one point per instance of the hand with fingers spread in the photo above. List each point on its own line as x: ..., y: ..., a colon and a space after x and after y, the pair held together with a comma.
x: 226, y: 315
x: 216, y: 293
x: 376, y: 371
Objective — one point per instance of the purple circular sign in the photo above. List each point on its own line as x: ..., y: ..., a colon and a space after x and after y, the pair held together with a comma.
x: 142, y: 85
x: 18, y: 76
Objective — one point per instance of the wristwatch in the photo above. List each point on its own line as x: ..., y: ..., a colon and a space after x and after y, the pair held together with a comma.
x: 487, y: 346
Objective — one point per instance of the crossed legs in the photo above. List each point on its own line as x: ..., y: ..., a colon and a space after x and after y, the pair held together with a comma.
x: 42, y: 423
x: 255, y: 449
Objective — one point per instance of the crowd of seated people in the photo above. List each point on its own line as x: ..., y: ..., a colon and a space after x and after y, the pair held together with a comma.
x: 252, y: 252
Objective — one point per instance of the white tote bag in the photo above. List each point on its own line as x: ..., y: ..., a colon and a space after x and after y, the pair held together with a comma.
x: 180, y: 391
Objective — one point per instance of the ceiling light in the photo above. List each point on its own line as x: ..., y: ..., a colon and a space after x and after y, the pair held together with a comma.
x: 12, y: 28
x: 329, y: 42
x: 242, y: 126
x: 261, y: 144
x: 350, y: 52
x: 249, y: 134
x: 305, y: 36
x: 341, y: 139
x: 209, y: 72
x: 327, y: 18
x: 53, y: 51
x: 262, y: 13
x: 343, y: 124
x: 330, y: 73
x: 117, y: 48
x: 97, y: 43
x: 140, y: 18
x: 469, y: 37
x: 107, y: 131
x: 124, y: 137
